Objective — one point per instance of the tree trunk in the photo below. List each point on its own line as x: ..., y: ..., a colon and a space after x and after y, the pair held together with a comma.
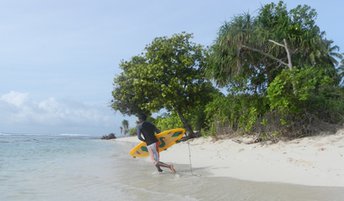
x: 290, y: 65
x: 186, y: 124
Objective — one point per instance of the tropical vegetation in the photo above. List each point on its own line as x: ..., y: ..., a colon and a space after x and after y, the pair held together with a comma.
x: 274, y: 74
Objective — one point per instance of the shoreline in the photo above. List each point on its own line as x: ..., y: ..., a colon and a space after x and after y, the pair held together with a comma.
x: 310, y: 161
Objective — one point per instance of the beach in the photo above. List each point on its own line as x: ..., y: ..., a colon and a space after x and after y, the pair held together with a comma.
x: 54, y: 168
x: 310, y: 161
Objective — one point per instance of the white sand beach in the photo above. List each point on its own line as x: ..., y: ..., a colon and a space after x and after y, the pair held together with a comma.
x: 313, y: 161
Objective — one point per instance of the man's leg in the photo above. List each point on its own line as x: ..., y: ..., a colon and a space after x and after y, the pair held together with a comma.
x: 154, y: 157
x: 158, y: 168
x: 154, y: 153
x: 161, y: 164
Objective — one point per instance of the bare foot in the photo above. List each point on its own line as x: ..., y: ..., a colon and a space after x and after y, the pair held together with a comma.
x: 158, y: 167
x: 172, y: 169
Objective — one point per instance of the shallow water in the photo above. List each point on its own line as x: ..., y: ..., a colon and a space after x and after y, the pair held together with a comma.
x: 56, y: 168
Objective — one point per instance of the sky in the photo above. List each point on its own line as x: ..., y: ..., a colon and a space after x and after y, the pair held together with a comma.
x: 58, y: 58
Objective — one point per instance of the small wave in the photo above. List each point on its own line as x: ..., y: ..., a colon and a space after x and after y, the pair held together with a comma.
x: 19, y: 134
x: 73, y: 135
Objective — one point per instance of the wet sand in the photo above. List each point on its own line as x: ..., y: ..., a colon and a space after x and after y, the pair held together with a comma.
x: 141, y: 179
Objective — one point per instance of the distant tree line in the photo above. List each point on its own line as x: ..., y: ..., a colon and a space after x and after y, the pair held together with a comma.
x: 274, y: 74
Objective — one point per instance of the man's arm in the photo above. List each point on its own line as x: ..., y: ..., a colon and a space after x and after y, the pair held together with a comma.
x: 139, y: 135
x: 156, y: 130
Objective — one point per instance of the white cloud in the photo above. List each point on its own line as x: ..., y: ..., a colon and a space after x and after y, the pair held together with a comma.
x: 14, y: 98
x: 21, y: 113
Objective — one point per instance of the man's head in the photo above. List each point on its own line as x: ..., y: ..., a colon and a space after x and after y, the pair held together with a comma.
x: 142, y: 117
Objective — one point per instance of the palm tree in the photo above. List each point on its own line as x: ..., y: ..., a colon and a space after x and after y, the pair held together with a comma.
x: 227, y: 52
x: 125, y: 125
x: 248, y: 52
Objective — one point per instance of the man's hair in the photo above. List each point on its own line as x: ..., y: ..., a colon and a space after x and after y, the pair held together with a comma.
x: 142, y: 117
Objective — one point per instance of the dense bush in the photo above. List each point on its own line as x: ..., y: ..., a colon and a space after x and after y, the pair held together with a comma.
x: 168, y: 121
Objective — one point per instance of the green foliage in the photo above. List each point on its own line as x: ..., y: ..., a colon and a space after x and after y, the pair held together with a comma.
x: 133, y: 131
x: 306, y: 95
x: 169, y: 75
x: 328, y: 105
x: 290, y: 91
x: 196, y: 115
x: 236, y: 112
x: 340, y: 70
x: 125, y: 126
x: 244, y: 58
x: 219, y: 110
x: 129, y: 94
x: 250, y: 57
x: 278, y: 67
x: 168, y: 121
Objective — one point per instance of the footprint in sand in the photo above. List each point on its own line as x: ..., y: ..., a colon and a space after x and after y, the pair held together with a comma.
x: 240, y: 150
x: 300, y: 162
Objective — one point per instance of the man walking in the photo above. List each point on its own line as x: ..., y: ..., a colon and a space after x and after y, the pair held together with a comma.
x: 146, y: 132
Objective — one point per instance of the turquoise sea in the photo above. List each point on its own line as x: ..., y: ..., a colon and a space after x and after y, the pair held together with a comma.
x: 84, y: 168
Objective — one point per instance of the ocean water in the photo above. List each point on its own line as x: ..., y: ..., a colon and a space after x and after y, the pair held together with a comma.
x: 81, y: 168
